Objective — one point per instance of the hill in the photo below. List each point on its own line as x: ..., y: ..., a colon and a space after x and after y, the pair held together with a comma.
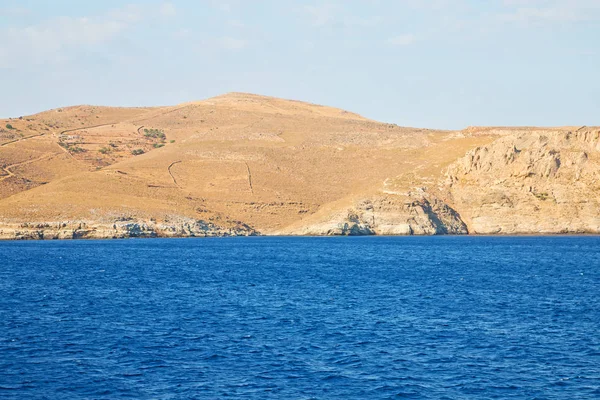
x: 242, y: 164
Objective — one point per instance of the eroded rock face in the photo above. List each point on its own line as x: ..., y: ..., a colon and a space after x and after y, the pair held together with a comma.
x: 120, y: 229
x: 530, y: 183
x: 390, y: 215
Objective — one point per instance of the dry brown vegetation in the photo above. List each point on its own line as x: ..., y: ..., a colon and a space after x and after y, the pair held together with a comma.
x: 270, y: 164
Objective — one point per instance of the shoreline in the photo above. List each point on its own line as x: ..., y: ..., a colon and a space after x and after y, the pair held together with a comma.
x: 233, y: 236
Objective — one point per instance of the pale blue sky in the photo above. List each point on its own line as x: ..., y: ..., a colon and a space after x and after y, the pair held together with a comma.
x: 437, y: 63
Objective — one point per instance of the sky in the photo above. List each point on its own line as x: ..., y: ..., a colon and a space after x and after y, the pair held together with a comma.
x: 422, y: 63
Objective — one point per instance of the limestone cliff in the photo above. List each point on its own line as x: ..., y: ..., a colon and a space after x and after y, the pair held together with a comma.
x: 388, y: 215
x: 540, y: 182
x: 524, y: 182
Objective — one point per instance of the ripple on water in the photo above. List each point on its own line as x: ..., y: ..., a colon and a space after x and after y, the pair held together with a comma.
x: 308, y: 318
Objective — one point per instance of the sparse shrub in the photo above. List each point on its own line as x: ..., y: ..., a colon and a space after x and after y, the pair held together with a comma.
x: 137, y: 152
x: 9, y: 126
x: 76, y: 149
x: 105, y: 150
x: 158, y: 145
x: 172, y: 141
x: 113, y: 145
x: 154, y: 134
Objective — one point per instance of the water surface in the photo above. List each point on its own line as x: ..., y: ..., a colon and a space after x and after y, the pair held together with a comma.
x: 301, y: 318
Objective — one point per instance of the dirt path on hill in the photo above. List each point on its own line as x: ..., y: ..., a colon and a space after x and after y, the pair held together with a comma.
x: 8, y: 168
x: 21, y: 139
x: 157, y: 115
x: 249, y: 177
x: 170, y: 173
x: 61, y: 133
x: 87, y: 127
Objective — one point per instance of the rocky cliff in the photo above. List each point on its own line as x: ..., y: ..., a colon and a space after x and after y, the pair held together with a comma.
x: 387, y: 215
x: 524, y: 182
x: 535, y: 182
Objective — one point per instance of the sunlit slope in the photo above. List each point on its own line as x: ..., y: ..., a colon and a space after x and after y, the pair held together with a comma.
x: 38, y: 149
x: 233, y: 164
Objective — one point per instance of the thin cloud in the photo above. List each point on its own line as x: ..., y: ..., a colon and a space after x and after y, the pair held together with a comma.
x: 58, y: 39
x: 15, y: 11
x: 48, y: 41
x: 224, y: 43
x: 322, y: 14
x: 230, y: 43
x: 168, y: 10
x: 362, y: 22
x: 402, y: 40
x: 235, y: 23
x: 221, y: 5
x: 550, y: 11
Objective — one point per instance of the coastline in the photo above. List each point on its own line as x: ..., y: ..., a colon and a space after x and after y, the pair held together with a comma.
x: 118, y: 231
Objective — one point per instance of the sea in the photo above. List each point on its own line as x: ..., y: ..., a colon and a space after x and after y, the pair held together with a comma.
x: 441, y: 317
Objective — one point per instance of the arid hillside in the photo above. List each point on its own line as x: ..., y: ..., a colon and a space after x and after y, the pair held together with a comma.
x: 242, y: 164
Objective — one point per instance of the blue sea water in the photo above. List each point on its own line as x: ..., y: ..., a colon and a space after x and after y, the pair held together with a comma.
x: 301, y: 318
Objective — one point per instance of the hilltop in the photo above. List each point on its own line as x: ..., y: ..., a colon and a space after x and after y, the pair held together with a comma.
x: 243, y: 164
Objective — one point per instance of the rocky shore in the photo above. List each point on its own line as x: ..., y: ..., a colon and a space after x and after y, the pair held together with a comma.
x: 118, y: 230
